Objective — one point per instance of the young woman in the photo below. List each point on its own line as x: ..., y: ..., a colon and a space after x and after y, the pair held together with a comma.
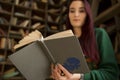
x: 95, y: 43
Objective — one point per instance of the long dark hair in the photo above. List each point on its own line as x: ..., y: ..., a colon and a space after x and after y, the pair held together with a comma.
x: 87, y: 39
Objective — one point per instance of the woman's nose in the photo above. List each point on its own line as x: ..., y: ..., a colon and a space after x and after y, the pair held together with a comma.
x: 76, y: 14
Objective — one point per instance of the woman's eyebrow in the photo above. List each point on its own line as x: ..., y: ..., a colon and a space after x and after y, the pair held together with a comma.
x: 79, y: 8
x: 82, y: 8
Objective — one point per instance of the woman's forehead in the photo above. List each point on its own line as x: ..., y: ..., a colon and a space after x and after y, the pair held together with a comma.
x: 77, y: 4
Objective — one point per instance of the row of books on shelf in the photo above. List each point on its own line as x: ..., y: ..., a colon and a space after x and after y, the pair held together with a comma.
x: 22, y: 23
x: 2, y: 58
x: 34, y: 3
x: 3, y: 43
x: 7, y: 43
x: 19, y: 32
x: 29, y: 3
x: 52, y: 2
x: 13, y: 34
x: 12, y: 72
x: 25, y: 24
x: 16, y: 19
x: 25, y: 3
x: 51, y: 18
x: 25, y: 14
x: 52, y: 10
x: 3, y: 20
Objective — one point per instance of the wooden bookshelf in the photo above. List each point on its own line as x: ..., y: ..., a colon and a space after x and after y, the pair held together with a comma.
x: 17, y: 19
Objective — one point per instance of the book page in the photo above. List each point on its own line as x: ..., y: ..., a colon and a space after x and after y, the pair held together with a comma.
x: 61, y: 34
x: 33, y: 36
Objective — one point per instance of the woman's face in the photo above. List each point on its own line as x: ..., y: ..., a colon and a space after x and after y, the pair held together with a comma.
x: 77, y: 14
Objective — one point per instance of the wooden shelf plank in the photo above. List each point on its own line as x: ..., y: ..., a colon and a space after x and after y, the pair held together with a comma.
x: 106, y: 15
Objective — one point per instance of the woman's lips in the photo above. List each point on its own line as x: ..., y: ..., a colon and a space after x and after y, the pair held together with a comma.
x: 76, y: 20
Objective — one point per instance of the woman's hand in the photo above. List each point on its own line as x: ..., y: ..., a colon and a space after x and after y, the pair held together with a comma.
x: 60, y: 73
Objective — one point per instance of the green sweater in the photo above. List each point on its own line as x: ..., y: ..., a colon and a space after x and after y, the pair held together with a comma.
x: 107, y: 69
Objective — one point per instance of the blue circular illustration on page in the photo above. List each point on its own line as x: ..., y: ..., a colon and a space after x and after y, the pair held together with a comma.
x: 72, y: 64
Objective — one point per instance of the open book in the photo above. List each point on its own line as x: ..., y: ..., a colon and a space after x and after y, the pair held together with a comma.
x: 36, y: 35
x: 34, y: 59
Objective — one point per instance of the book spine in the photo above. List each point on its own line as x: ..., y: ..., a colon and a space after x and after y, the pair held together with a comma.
x: 47, y: 52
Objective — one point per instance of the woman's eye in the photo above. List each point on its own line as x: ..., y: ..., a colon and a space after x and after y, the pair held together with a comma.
x: 81, y: 11
x: 72, y: 11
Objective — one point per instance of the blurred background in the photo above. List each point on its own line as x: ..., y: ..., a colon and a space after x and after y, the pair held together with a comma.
x: 20, y: 17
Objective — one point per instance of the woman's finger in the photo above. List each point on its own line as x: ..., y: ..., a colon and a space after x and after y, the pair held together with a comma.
x: 56, y: 74
x: 53, y: 71
x: 65, y: 71
x: 52, y: 67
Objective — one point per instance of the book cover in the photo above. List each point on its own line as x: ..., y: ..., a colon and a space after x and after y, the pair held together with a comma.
x: 16, y: 2
x: 24, y: 23
x: 36, y: 25
x: 14, y: 20
x: 34, y: 60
